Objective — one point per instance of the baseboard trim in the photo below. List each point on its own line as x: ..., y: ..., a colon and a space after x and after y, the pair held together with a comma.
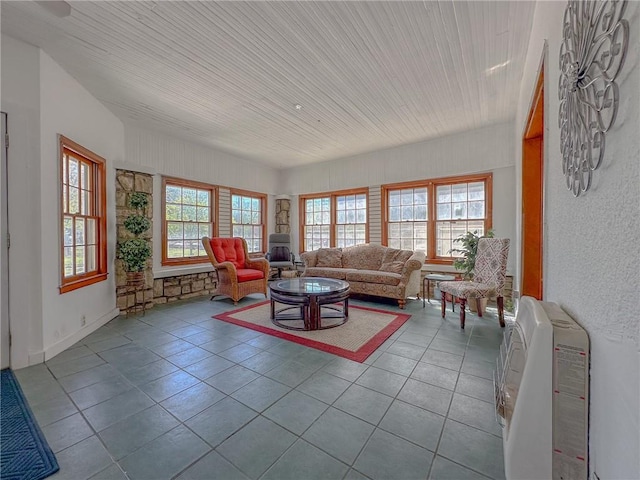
x: 65, y: 343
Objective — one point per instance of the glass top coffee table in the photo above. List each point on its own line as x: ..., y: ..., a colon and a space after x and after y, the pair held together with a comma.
x: 314, y: 303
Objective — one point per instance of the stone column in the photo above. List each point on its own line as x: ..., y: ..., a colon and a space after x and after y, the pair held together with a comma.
x: 283, y: 209
x: 128, y: 298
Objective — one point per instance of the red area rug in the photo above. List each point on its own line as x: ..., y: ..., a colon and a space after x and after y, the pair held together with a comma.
x: 365, y: 331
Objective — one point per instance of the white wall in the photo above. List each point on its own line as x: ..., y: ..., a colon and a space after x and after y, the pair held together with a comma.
x: 20, y: 99
x: 591, y: 250
x: 160, y: 154
x: 42, y: 101
x: 70, y: 110
x: 179, y: 158
x: 488, y: 149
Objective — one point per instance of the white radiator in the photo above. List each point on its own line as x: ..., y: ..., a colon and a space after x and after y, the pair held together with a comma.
x: 542, y: 394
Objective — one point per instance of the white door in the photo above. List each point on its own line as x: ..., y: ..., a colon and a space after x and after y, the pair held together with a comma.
x: 4, y: 251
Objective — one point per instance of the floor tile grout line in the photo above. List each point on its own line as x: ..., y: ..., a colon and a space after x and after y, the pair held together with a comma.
x: 311, y: 374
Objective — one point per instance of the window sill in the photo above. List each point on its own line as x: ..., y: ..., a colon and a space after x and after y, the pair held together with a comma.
x: 182, y: 270
x: 83, y: 282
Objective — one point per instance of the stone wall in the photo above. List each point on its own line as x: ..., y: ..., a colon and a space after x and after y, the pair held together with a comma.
x: 283, y: 209
x: 131, y: 298
x: 181, y: 287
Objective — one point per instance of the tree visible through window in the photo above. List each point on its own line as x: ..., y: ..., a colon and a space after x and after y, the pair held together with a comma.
x: 247, y: 219
x: 187, y: 217
x: 84, y: 250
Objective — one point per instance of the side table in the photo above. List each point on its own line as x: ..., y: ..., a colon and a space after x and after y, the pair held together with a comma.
x: 435, y: 277
x: 298, y: 265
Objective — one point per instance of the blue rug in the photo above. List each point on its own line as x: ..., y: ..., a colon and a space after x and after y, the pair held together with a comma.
x: 24, y: 452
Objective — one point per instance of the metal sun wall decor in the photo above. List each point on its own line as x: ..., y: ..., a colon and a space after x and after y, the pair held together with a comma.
x: 594, y: 46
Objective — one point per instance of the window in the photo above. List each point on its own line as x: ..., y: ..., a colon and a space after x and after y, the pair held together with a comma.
x: 84, y: 216
x: 337, y: 219
x: 317, y: 223
x: 407, y: 225
x: 460, y: 208
x: 351, y: 220
x: 187, y: 216
x: 247, y: 218
x: 430, y: 214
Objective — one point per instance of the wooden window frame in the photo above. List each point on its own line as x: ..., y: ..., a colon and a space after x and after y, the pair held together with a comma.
x: 98, y: 202
x: 213, y: 216
x: 431, y: 185
x: 263, y: 213
x: 332, y: 210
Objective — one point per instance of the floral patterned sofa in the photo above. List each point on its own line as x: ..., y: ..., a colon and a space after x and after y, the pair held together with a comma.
x: 369, y: 269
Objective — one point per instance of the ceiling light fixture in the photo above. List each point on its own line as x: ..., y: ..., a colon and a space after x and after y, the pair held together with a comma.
x: 298, y: 106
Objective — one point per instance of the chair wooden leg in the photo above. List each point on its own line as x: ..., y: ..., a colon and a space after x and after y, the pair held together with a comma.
x: 443, y: 302
x: 479, y: 305
x: 501, y: 311
x: 402, y: 303
x: 463, y: 301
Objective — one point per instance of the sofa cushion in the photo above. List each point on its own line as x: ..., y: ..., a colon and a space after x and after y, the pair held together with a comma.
x: 329, y: 257
x: 393, y: 267
x: 373, y: 276
x: 337, y: 273
x: 363, y: 257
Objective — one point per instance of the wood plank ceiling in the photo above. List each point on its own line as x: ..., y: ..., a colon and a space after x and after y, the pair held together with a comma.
x: 368, y: 75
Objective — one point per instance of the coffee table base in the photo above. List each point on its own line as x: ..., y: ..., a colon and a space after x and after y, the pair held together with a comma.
x: 312, y: 311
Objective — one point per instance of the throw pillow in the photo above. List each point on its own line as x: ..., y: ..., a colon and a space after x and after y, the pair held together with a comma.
x: 329, y: 257
x: 393, y: 267
x: 396, y: 255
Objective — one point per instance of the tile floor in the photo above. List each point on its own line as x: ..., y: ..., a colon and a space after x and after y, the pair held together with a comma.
x: 177, y: 394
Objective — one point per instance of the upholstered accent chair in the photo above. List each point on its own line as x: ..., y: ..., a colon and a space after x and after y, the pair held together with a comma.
x: 238, y: 275
x: 279, y: 254
x: 489, y: 275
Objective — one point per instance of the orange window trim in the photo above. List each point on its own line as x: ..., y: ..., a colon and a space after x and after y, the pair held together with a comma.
x: 179, y: 182
x: 333, y: 201
x: 431, y: 185
x: 99, y: 204
x: 263, y: 213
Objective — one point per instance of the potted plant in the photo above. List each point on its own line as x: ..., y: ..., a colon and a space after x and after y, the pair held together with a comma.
x: 134, y: 252
x: 467, y: 261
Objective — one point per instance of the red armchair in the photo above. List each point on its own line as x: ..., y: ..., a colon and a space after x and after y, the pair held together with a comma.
x: 238, y: 275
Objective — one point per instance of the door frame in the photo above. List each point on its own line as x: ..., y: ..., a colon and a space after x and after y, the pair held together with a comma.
x: 532, y: 178
x: 5, y: 333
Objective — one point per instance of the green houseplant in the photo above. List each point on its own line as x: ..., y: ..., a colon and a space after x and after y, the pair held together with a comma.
x: 468, y: 250
x: 134, y: 252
